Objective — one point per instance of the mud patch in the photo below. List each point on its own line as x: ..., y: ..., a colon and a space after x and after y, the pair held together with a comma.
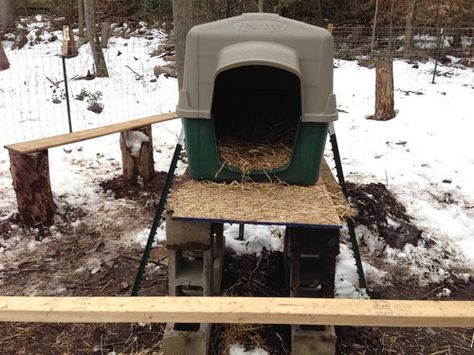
x: 379, y: 210
x: 146, y: 193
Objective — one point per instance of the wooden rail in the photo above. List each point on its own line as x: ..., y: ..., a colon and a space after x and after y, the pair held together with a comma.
x: 68, y: 138
x: 349, y: 312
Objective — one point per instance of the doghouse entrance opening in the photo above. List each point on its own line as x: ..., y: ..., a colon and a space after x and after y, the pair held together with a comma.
x: 256, y: 111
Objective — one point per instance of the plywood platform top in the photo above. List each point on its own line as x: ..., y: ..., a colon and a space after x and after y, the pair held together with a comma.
x: 256, y: 203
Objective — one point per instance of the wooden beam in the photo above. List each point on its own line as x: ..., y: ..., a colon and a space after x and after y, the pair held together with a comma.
x: 349, y: 312
x: 63, y: 139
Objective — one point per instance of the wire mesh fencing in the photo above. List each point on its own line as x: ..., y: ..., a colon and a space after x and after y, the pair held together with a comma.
x: 33, y: 102
x: 427, y: 42
x: 33, y: 99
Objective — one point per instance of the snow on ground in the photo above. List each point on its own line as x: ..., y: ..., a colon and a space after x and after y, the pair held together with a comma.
x: 424, y: 154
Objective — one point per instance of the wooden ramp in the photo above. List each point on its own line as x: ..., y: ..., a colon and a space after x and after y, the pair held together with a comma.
x: 243, y: 310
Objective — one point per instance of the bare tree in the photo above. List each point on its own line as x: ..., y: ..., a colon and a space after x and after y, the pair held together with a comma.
x: 80, y: 11
x: 390, y: 36
x: 409, y: 28
x: 183, y: 21
x: 6, y: 14
x: 372, y: 44
x: 97, y: 54
x: 4, y: 63
x: 105, y: 34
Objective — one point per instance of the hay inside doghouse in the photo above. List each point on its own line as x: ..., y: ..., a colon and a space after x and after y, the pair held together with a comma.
x: 256, y: 111
x: 270, y: 149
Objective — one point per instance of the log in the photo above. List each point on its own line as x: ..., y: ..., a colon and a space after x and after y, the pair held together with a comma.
x: 30, y: 174
x: 384, y: 91
x: 137, y: 154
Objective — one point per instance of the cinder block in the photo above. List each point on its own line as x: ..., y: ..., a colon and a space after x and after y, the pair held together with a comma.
x: 190, y: 277
x: 187, y: 235
x: 186, y: 339
x: 313, y: 340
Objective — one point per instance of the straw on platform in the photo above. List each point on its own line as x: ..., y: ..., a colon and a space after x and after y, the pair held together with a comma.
x: 275, y: 203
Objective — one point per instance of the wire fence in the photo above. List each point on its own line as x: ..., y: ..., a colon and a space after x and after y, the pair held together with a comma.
x: 428, y: 42
x: 32, y: 91
x: 33, y: 102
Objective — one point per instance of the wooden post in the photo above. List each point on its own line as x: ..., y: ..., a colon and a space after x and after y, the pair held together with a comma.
x: 384, y: 92
x: 30, y: 174
x: 138, y: 163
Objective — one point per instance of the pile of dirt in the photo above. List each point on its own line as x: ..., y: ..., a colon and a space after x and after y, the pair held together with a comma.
x: 379, y: 210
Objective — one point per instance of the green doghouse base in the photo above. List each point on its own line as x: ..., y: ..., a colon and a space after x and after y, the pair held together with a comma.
x: 302, y: 169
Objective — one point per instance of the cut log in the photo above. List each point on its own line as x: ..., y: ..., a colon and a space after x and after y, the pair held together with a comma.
x: 137, y: 154
x: 384, y: 92
x: 30, y: 174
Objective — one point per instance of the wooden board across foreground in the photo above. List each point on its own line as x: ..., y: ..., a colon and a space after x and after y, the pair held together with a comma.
x: 254, y: 203
x: 68, y: 138
x: 244, y: 310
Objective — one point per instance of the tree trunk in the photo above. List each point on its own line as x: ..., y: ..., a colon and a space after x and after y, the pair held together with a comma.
x: 182, y: 21
x: 105, y: 34
x: 72, y: 47
x: 80, y: 10
x: 137, y: 163
x: 30, y: 174
x: 6, y: 15
x: 409, y: 29
x: 260, y: 5
x: 97, y: 54
x: 390, y: 35
x: 384, y: 91
x: 4, y: 63
x: 372, y: 44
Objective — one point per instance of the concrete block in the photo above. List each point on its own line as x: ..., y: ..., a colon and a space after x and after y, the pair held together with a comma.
x: 187, y: 235
x: 186, y: 339
x: 313, y: 340
x: 190, y: 277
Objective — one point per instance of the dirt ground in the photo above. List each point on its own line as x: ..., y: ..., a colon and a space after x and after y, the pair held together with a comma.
x: 90, y: 258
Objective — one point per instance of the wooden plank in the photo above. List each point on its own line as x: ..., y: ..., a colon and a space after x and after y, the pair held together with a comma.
x: 68, y: 138
x: 349, y: 312
x: 254, y: 203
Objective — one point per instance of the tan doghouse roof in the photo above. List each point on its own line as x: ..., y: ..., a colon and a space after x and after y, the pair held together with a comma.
x: 259, y: 39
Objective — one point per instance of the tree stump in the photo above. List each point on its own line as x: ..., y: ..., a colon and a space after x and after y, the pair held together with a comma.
x: 137, y: 154
x: 30, y: 174
x: 384, y: 92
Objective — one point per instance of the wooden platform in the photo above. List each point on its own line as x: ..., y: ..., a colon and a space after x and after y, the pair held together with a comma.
x: 243, y: 310
x: 68, y: 138
x: 258, y: 203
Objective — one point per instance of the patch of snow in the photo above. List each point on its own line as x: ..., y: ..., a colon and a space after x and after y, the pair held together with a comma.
x: 237, y: 349
x: 134, y: 141
x: 256, y: 238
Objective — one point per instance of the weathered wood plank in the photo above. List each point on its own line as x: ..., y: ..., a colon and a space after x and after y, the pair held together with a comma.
x: 63, y: 139
x: 349, y: 312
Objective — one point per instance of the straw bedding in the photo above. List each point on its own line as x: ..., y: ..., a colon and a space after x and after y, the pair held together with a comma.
x: 272, y: 203
x: 267, y: 148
